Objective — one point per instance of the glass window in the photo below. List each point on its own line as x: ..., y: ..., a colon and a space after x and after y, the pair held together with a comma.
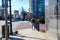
x: 42, y: 4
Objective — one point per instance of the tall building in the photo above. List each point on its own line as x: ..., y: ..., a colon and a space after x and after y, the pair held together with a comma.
x: 1, y: 12
x: 37, y: 7
x: 16, y: 13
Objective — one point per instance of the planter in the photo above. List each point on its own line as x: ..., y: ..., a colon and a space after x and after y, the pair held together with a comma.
x: 42, y: 29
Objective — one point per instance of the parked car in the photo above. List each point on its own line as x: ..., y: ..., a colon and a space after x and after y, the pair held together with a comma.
x: 13, y: 19
x: 17, y: 19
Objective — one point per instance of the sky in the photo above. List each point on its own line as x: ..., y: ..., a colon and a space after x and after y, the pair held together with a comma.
x: 17, y: 4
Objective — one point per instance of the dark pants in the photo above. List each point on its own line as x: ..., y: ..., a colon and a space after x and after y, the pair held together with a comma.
x: 37, y: 26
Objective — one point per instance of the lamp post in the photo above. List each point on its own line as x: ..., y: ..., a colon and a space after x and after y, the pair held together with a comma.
x: 10, y: 18
x: 6, y: 24
x: 57, y: 20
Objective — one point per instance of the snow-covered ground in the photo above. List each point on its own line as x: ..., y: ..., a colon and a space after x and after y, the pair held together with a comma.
x: 17, y: 25
x: 25, y: 24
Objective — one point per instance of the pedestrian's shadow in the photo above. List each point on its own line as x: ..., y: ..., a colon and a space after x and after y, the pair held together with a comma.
x: 15, y: 38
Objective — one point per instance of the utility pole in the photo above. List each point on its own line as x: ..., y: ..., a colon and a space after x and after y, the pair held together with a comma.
x: 6, y: 24
x: 57, y: 20
x: 10, y: 18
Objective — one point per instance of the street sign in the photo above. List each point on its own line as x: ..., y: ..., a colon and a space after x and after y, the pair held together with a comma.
x: 4, y: 4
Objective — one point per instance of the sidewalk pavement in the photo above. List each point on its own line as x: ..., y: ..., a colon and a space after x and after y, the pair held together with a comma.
x: 29, y: 34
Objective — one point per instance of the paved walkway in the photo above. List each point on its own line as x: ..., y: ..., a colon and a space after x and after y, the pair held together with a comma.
x: 28, y: 34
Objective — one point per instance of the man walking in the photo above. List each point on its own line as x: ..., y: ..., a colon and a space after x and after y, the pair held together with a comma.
x: 33, y: 23
x: 37, y: 21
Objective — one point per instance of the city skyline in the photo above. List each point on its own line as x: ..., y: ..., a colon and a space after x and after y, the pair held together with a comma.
x: 18, y: 4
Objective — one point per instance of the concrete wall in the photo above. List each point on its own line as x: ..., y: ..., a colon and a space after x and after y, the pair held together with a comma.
x: 50, y: 9
x: 50, y: 18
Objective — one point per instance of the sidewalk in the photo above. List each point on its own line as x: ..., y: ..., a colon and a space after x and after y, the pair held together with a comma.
x: 29, y: 34
x: 25, y: 32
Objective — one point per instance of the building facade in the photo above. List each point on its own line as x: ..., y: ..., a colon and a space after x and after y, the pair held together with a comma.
x: 51, y: 11
x: 53, y: 8
x: 1, y: 12
x: 16, y: 13
x: 37, y: 7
